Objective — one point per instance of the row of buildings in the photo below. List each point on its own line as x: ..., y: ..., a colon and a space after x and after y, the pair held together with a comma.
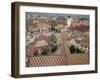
x: 77, y: 32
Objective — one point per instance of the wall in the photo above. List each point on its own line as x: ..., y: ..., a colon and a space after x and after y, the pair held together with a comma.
x: 51, y: 60
x: 5, y: 40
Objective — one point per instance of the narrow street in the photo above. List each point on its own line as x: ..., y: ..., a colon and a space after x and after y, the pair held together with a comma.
x: 64, y: 45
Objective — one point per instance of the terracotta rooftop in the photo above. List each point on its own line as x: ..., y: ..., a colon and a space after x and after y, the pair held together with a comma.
x: 82, y: 28
x: 41, y: 37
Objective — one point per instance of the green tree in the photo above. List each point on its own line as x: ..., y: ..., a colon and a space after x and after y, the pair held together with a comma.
x: 54, y: 48
x: 53, y: 38
x: 72, y: 49
x: 49, y: 29
x: 36, y: 53
x: 53, y: 24
x: 78, y: 50
x: 44, y: 52
x: 52, y: 28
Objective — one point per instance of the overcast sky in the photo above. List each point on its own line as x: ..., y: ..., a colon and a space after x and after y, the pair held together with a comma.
x: 74, y: 16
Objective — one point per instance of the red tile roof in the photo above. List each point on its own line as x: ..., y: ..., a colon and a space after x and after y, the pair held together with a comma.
x: 82, y: 28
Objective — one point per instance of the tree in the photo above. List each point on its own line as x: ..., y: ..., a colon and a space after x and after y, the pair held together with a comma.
x: 44, y: 52
x: 53, y: 38
x: 56, y: 30
x: 54, y: 48
x: 36, y: 53
x: 72, y: 49
x: 53, y: 24
x: 52, y: 28
x: 49, y: 29
x: 78, y: 50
